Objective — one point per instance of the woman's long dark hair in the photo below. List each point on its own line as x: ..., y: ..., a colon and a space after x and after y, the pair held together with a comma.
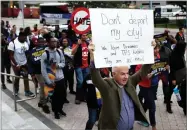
x: 61, y: 43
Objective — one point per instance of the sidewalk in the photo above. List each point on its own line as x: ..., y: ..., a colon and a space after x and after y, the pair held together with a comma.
x: 77, y: 115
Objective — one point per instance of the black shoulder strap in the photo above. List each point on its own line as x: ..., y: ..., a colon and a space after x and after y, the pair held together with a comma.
x: 58, y: 52
x: 47, y: 53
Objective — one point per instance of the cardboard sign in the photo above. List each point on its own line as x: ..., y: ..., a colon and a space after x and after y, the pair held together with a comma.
x: 80, y: 20
x: 122, y: 36
x: 158, y: 67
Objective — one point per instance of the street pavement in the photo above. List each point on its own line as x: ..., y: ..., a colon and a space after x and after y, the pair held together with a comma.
x: 29, y: 116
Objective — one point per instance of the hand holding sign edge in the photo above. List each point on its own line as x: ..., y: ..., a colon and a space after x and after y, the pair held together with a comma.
x: 91, y: 49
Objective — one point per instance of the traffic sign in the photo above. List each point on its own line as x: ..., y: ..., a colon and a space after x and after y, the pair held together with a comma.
x: 80, y: 20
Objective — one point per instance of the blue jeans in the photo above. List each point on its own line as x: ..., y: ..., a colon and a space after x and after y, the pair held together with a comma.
x: 92, y: 118
x: 81, y: 75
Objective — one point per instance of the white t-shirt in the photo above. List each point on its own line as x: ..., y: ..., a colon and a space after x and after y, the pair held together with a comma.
x: 28, y: 41
x: 19, y: 51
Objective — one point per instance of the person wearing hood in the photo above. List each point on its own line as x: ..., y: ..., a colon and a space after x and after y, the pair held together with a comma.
x: 177, y: 62
x: 52, y: 63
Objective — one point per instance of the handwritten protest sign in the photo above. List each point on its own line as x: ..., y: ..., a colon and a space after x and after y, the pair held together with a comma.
x: 122, y: 36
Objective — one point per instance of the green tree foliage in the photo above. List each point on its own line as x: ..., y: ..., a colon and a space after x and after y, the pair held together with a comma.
x: 98, y: 4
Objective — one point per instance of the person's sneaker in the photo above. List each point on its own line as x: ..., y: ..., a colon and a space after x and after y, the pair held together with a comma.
x: 40, y: 104
x: 62, y: 113
x: 38, y: 90
x: 16, y: 93
x: 57, y: 116
x: 154, y: 128
x: 77, y: 102
x: 66, y: 101
x: 9, y: 81
x: 169, y: 111
x: 45, y: 109
x: 143, y: 123
x: 29, y: 94
x: 72, y: 92
x: 3, y: 86
x: 96, y: 123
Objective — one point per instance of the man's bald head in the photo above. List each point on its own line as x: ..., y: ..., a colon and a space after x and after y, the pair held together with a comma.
x: 121, y: 74
x: 117, y: 69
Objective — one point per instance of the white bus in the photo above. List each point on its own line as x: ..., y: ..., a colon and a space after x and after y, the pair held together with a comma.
x: 54, y: 13
x: 166, y: 11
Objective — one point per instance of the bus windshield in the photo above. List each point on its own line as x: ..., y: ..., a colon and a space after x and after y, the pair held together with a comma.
x: 54, y: 13
x: 54, y: 9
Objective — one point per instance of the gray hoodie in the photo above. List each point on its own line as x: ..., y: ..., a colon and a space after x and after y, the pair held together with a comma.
x: 54, y: 58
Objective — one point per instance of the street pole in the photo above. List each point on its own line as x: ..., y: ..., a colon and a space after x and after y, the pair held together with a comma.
x: 186, y: 22
x: 150, y: 4
x: 22, y: 9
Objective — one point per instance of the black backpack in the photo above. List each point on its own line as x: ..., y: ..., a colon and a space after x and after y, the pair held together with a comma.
x: 47, y: 52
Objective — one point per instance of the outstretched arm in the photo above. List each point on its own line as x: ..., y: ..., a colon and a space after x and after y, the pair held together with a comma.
x: 142, y: 73
x: 97, y: 80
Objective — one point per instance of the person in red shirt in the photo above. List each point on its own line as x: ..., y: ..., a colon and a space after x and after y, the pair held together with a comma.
x: 81, y: 64
x: 35, y: 31
x: 148, y: 90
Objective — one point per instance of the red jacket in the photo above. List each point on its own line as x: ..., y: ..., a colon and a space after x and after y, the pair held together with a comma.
x: 145, y: 82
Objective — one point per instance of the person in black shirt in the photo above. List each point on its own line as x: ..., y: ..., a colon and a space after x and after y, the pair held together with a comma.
x: 4, y: 31
x: 176, y: 63
x: 71, y: 34
x: 35, y: 71
x: 5, y: 61
x: 93, y: 98
x: 165, y: 52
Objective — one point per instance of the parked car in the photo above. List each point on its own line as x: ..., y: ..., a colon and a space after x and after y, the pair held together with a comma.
x: 179, y: 13
x: 166, y: 11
